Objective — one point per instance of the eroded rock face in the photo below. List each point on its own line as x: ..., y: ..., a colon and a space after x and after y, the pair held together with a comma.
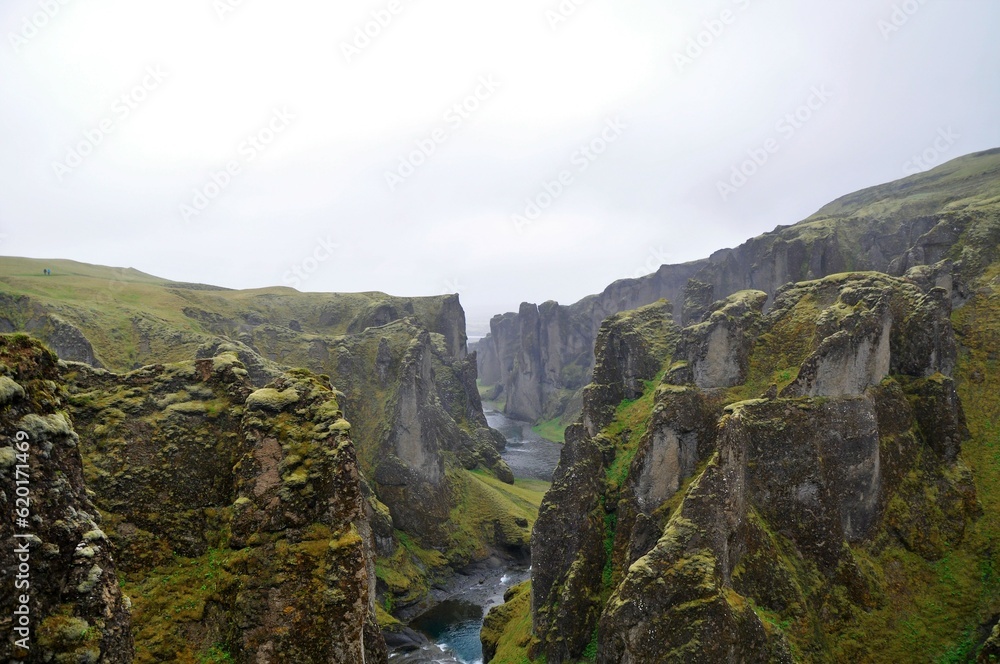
x: 682, y: 434
x: 895, y: 228
x: 259, y: 489
x: 567, y: 548
x: 407, y: 384
x: 874, y: 327
x: 725, y: 508
x: 675, y: 603
x: 76, y: 610
x: 568, y: 540
x: 716, y: 351
x: 629, y: 352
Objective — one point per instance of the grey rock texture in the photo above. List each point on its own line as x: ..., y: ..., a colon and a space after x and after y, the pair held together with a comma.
x: 77, y: 611
x: 542, y: 354
x: 662, y: 533
x: 189, y: 459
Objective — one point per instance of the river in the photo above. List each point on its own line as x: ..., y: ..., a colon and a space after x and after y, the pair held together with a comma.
x: 452, y: 626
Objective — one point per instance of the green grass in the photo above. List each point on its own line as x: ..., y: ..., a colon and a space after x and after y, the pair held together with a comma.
x: 628, y: 427
x: 515, y: 635
x: 552, y: 430
x: 485, y: 506
x: 134, y: 318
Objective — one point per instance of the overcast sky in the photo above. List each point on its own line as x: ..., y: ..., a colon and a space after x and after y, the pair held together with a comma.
x: 397, y: 145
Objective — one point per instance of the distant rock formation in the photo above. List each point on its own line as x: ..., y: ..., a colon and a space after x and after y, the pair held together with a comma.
x: 541, y: 357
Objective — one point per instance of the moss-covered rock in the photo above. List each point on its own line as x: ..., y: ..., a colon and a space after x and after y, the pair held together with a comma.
x: 507, y: 628
x: 944, y: 214
x: 753, y: 523
x: 239, y: 513
x: 408, y: 389
x: 58, y: 557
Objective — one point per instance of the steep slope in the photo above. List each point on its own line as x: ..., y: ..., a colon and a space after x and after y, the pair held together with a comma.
x: 541, y: 357
x: 131, y: 319
x: 238, y: 513
x: 805, y: 475
x: 408, y: 385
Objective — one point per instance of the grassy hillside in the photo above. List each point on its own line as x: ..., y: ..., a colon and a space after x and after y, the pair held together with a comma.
x: 399, y: 366
x: 133, y: 318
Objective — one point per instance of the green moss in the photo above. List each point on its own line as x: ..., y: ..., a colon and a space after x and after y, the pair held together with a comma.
x: 779, y: 352
x: 59, y: 631
x: 8, y: 457
x: 487, y: 513
x: 628, y: 427
x: 47, y: 426
x: 271, y: 399
x: 216, y: 654
x: 509, y: 628
x: 167, y: 598
x: 405, y: 576
x: 9, y: 391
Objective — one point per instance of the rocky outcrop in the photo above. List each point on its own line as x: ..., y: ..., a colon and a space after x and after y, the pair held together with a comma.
x: 716, y: 351
x: 568, y: 545
x: 407, y: 382
x: 543, y: 353
x: 684, y: 518
x: 61, y: 597
x: 238, y: 512
x: 629, y: 352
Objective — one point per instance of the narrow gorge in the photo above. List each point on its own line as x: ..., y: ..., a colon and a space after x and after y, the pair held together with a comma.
x: 786, y: 452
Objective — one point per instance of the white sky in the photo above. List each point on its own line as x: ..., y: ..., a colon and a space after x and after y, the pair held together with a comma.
x: 651, y: 197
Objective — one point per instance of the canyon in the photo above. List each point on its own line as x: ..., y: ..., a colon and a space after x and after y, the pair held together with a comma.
x: 784, y: 452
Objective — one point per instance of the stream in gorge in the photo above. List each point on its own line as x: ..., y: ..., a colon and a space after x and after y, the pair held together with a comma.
x: 452, y: 626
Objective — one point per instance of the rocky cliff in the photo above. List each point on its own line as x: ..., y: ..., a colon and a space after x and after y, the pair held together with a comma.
x: 806, y: 473
x: 61, y: 596
x: 238, y: 512
x: 406, y: 382
x: 541, y: 357
x: 762, y: 481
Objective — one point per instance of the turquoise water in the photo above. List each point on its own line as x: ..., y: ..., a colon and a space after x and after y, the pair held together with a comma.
x: 454, y: 624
